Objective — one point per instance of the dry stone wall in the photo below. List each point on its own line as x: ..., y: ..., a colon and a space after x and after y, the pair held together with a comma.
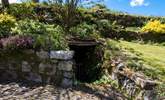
x: 134, y: 84
x: 54, y: 67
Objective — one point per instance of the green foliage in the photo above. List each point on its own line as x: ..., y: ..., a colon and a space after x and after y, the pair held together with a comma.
x: 83, y: 31
x: 106, y: 80
x: 161, y: 90
x: 35, y: 11
x: 63, y: 17
x: 45, y: 36
x: 6, y: 23
x: 133, y: 29
x: 104, y: 26
x: 27, y: 26
x: 66, y: 13
x: 57, y: 37
x: 138, y: 57
x: 112, y: 51
x: 104, y: 23
x: 112, y: 45
x: 23, y: 10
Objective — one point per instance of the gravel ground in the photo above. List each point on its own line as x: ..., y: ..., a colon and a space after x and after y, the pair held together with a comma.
x: 23, y: 91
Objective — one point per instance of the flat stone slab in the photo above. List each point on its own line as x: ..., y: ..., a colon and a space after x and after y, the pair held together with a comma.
x: 62, y: 55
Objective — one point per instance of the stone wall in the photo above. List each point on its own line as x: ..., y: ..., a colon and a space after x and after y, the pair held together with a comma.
x: 54, y: 67
x: 134, y: 84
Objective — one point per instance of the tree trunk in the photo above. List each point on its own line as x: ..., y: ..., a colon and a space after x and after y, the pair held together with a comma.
x: 5, y: 3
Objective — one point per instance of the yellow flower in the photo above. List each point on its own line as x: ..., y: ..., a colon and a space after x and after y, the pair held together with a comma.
x: 154, y: 27
x: 5, y: 18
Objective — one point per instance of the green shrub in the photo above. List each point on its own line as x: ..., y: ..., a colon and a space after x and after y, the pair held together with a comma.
x: 27, y: 27
x: 21, y: 11
x: 83, y: 31
x: 106, y: 80
x: 35, y: 11
x: 45, y: 36
x: 104, y: 23
x: 160, y: 90
x: 104, y: 27
x: 6, y: 23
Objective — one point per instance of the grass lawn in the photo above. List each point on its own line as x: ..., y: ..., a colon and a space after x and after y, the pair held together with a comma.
x: 152, y: 55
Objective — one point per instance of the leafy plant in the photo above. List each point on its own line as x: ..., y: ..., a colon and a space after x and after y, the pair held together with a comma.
x: 160, y: 90
x: 67, y: 14
x: 104, y: 26
x: 106, y: 80
x: 154, y: 27
x: 104, y: 23
x: 45, y: 36
x: 27, y: 27
x: 6, y: 23
x: 23, y: 10
x: 83, y: 31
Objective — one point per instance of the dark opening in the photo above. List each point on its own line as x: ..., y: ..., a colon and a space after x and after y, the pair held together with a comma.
x: 87, y: 69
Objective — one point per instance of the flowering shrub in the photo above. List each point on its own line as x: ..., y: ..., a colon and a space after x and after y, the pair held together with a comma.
x: 154, y: 27
x: 6, y: 23
x: 15, y: 42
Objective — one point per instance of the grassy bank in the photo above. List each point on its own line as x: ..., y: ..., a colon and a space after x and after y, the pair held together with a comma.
x: 152, y: 57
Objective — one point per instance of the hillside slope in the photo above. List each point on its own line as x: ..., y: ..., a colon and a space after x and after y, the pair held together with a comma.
x: 153, y: 58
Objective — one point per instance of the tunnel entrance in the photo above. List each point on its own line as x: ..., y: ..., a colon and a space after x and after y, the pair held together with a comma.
x: 86, y: 59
